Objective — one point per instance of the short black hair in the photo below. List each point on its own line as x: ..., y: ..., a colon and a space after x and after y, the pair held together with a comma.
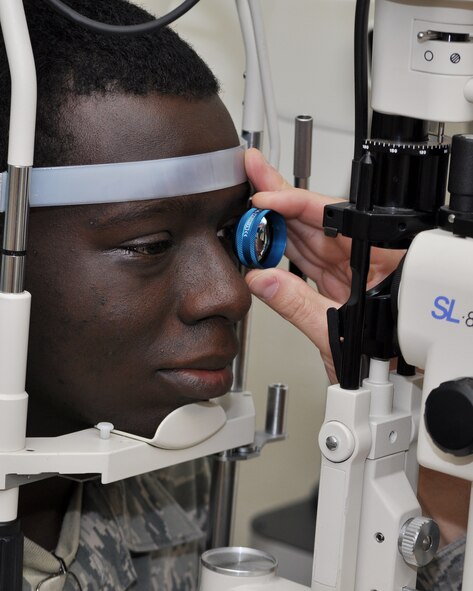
x: 72, y: 61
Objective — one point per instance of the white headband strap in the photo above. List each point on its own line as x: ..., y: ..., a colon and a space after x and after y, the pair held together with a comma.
x: 133, y: 181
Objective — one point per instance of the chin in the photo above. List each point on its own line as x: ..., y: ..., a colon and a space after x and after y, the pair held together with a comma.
x: 144, y: 428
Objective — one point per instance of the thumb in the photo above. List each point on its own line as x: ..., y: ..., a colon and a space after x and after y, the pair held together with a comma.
x: 297, y: 302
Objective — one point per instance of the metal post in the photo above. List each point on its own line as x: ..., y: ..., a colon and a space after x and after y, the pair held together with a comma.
x: 222, y: 500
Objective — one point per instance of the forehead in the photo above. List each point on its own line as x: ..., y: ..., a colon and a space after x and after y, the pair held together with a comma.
x: 94, y: 224
x: 199, y: 209
x: 122, y: 128
x: 118, y: 127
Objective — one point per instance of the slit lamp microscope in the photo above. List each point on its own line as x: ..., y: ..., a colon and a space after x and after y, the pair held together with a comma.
x: 370, y: 535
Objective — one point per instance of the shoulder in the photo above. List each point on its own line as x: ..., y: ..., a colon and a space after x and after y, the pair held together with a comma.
x: 446, y: 569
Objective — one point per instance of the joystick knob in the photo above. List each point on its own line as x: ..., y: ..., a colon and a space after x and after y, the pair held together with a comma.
x: 449, y: 416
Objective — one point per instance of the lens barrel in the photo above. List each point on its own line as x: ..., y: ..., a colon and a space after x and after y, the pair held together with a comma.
x: 260, y: 238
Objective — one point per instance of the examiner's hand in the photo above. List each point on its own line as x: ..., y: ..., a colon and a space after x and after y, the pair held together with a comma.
x: 324, y: 260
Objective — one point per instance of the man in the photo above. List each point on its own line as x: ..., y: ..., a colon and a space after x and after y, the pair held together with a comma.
x: 133, y: 304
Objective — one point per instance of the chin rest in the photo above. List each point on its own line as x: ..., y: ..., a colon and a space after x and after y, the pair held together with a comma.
x: 186, y: 426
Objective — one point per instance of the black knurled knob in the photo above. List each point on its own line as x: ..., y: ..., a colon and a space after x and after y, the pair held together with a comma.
x: 449, y: 416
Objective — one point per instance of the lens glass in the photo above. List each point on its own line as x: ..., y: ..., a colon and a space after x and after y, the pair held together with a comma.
x: 262, y: 239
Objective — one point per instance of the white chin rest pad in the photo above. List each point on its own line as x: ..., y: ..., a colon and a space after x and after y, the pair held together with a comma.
x: 186, y: 426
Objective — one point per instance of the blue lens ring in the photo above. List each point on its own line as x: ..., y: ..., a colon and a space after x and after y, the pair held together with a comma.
x: 246, y: 235
x: 241, y: 236
x: 250, y: 222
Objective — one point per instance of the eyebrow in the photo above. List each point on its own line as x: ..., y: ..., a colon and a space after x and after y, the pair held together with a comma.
x: 142, y: 211
x: 188, y: 204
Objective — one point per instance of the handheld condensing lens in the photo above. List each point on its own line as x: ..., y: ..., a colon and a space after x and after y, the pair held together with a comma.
x: 260, y: 238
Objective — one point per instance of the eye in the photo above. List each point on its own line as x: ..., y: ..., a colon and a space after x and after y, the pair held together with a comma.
x: 148, y: 248
x: 227, y: 233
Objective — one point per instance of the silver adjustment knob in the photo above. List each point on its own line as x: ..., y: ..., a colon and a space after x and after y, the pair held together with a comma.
x: 418, y: 540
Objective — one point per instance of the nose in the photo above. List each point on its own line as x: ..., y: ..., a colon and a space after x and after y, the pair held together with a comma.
x: 213, y: 285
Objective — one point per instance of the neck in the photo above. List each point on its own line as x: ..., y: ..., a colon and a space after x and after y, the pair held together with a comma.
x: 45, y: 421
x: 41, y: 507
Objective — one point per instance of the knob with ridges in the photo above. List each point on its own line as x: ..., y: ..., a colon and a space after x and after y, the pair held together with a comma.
x: 418, y: 540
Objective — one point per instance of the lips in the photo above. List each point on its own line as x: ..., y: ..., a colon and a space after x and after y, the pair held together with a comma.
x: 199, y: 379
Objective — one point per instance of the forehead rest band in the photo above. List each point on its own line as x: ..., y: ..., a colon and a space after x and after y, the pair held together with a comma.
x: 133, y: 181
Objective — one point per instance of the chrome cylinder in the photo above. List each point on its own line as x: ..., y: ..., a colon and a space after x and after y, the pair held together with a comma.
x: 12, y: 278
x: 222, y: 500
x: 254, y: 139
x: 302, y: 150
x: 276, y: 410
x: 15, y: 231
x: 232, y: 568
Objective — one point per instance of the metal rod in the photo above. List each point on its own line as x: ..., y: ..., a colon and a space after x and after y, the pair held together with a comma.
x: 15, y: 230
x: 302, y: 163
x: 276, y: 410
x: 302, y: 150
x: 253, y: 139
x: 15, y: 326
x: 222, y: 500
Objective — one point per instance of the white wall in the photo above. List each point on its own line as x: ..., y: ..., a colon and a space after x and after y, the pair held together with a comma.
x: 310, y: 45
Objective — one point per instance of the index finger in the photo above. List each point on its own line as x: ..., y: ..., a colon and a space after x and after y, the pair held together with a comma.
x: 305, y: 206
x: 274, y: 192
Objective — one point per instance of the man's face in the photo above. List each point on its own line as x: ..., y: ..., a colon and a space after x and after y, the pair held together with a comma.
x: 134, y: 304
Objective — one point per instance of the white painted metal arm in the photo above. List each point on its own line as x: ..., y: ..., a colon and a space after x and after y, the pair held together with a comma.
x: 23, y: 77
x: 345, y: 441
x: 118, y: 457
x: 267, y: 83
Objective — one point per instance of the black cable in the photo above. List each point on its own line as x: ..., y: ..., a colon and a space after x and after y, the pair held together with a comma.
x: 361, y: 75
x: 138, y: 29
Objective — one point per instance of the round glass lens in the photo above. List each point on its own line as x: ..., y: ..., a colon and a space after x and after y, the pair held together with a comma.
x: 262, y: 239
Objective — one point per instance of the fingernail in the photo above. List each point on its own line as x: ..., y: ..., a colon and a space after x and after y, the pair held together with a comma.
x: 264, y: 286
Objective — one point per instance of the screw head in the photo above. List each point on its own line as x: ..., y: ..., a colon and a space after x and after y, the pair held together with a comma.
x: 331, y: 442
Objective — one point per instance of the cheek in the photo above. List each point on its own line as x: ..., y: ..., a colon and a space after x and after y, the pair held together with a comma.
x: 95, y: 315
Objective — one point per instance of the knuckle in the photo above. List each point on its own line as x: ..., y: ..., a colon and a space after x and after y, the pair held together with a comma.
x: 298, y: 309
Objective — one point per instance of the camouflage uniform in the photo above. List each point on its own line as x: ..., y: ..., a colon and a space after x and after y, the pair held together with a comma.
x: 444, y: 573
x: 141, y: 534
